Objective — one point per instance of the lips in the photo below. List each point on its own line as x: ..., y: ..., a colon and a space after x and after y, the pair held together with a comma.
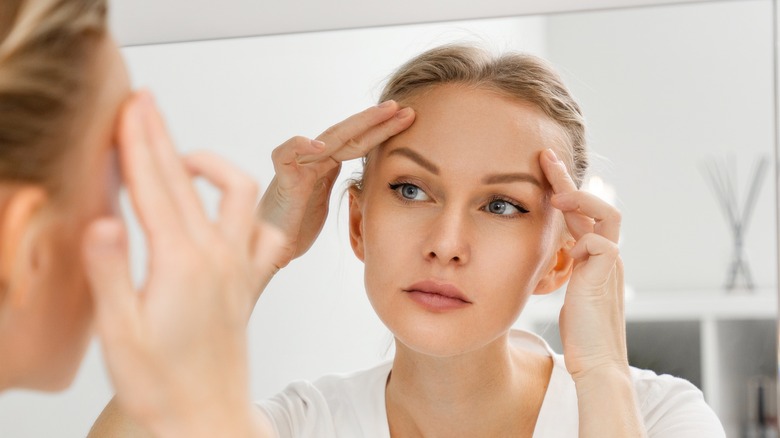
x: 441, y: 289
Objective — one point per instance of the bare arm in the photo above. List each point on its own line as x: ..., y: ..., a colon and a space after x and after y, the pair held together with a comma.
x: 607, y: 405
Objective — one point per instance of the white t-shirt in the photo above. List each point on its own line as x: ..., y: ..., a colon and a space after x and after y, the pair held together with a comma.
x: 353, y: 405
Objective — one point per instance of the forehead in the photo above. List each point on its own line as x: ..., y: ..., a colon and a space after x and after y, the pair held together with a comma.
x: 465, y: 127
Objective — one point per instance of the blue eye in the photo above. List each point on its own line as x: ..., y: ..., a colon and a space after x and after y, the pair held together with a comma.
x: 504, y: 208
x: 409, y: 192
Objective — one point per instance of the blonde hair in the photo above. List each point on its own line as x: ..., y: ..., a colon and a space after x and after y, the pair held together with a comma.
x: 46, y: 47
x: 519, y: 76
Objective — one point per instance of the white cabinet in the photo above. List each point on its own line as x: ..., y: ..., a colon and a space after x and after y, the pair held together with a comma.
x: 719, y: 341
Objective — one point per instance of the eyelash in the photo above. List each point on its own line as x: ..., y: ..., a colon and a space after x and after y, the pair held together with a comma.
x: 509, y: 201
x: 394, y: 186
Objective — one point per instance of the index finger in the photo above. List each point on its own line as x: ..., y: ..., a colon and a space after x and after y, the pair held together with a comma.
x: 555, y: 170
x: 149, y: 194
x: 556, y: 173
x: 355, y: 136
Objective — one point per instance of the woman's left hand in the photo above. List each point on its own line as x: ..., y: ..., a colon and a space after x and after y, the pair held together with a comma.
x: 591, y: 322
x: 593, y: 328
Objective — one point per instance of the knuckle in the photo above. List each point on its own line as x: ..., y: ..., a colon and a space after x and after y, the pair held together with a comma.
x: 352, y: 143
x: 275, y: 154
x: 612, y: 248
x: 299, y: 141
x: 334, y: 132
x: 615, y: 215
x: 283, y: 149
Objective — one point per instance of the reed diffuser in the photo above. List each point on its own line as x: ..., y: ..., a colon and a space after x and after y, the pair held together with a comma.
x: 722, y: 177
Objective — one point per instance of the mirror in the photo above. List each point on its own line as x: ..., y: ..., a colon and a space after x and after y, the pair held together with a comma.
x: 665, y: 89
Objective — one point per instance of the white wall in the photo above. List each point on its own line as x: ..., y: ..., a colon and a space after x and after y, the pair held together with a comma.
x: 241, y: 98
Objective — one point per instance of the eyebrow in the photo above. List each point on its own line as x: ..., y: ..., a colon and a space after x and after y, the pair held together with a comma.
x: 503, y: 178
x: 417, y: 158
x: 499, y: 178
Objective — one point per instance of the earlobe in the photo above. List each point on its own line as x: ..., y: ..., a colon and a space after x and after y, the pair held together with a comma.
x: 558, y: 274
x: 356, y: 225
x: 17, y: 227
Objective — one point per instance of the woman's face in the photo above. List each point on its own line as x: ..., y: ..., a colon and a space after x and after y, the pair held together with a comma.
x: 59, y: 313
x: 454, y: 223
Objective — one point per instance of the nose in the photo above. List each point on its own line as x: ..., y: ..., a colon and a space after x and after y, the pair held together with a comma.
x: 448, y: 239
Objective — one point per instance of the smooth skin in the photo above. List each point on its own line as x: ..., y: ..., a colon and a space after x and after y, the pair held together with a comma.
x: 472, y: 195
x: 472, y: 382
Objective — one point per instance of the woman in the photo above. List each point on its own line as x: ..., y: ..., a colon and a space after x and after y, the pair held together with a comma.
x: 65, y: 101
x: 458, y: 220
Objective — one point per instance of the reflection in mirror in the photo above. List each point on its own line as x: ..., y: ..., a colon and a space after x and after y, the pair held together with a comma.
x: 663, y: 89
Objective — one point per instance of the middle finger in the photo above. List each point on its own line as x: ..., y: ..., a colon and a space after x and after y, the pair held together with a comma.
x: 185, y: 197
x: 606, y: 217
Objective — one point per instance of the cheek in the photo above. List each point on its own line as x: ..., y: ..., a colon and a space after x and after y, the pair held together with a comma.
x: 515, y: 254
x: 384, y: 241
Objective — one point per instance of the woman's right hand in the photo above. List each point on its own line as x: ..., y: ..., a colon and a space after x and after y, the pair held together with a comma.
x: 297, y: 198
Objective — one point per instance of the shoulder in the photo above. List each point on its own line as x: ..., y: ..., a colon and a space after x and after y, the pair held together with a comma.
x: 337, y: 405
x: 357, y: 381
x: 674, y: 407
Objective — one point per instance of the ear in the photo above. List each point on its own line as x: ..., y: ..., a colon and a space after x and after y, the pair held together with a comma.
x: 18, y: 261
x: 356, y: 224
x: 558, y: 273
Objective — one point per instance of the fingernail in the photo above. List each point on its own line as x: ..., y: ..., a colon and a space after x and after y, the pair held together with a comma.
x: 386, y: 104
x: 552, y: 156
x: 316, y: 144
x: 404, y: 113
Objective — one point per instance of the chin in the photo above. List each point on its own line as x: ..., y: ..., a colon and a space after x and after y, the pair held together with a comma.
x: 441, y: 333
x: 439, y: 337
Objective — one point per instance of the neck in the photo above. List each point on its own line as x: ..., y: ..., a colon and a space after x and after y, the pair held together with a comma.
x: 486, y: 392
